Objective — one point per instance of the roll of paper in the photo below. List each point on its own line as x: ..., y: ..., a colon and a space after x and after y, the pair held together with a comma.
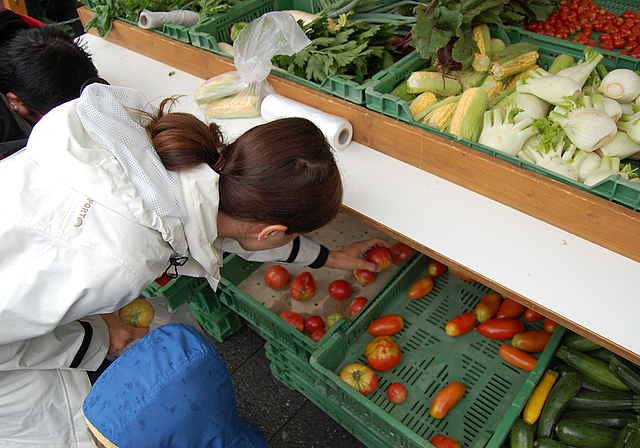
x: 157, y: 19
x: 337, y: 130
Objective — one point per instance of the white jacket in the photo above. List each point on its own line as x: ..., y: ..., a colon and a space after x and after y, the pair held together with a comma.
x: 76, y: 240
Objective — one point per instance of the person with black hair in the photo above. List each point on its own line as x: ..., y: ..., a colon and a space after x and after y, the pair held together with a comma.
x: 40, y: 68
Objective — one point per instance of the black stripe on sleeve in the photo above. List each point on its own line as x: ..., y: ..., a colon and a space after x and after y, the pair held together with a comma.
x: 88, y: 334
x: 294, y: 251
x: 322, y: 258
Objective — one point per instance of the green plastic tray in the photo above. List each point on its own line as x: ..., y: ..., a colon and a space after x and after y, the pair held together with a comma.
x: 272, y: 327
x: 613, y: 188
x: 177, y: 32
x: 207, y: 34
x: 496, y: 391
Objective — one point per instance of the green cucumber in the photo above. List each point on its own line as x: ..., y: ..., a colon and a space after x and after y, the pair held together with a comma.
x: 521, y: 435
x: 582, y: 434
x: 602, y: 354
x: 546, y: 442
x: 560, y: 396
x: 563, y: 369
x: 591, y: 384
x: 629, y: 436
x: 625, y: 373
x: 591, y: 367
x: 580, y: 343
x: 612, y: 419
x: 587, y: 400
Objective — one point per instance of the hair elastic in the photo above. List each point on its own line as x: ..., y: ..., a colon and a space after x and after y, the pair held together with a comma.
x: 220, y: 164
x: 92, y: 80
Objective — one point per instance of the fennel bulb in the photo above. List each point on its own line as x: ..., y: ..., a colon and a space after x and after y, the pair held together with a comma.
x: 621, y: 84
x: 608, y: 166
x: 631, y: 125
x: 582, y: 70
x: 531, y: 105
x: 553, y: 89
x: 587, y: 127
x: 499, y: 134
x: 590, y: 163
x: 608, y: 106
x: 621, y: 146
x: 558, y: 160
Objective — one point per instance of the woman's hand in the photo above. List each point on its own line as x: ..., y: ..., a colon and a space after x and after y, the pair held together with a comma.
x: 121, y: 334
x: 352, y: 257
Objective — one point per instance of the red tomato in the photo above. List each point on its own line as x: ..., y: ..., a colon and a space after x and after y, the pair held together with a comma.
x: 294, y: 319
x: 303, y: 287
x: 400, y: 252
x: 383, y: 353
x: 501, y: 328
x: 607, y: 46
x: 632, y: 46
x: 396, y: 393
x: 461, y: 324
x: 619, y: 43
x: 435, y: 268
x: 364, y: 277
x: 549, y: 325
x: 488, y: 306
x: 532, y: 316
x: 598, y: 26
x: 360, y: 377
x: 276, y: 277
x: 628, y: 15
x: 318, y: 334
x: 605, y: 37
x: 446, y: 399
x: 380, y: 255
x: 510, y: 309
x: 531, y: 341
x: 138, y: 313
x: 340, y: 289
x: 420, y: 288
x: 357, y: 305
x: 518, y: 358
x: 333, y: 318
x: 386, y: 325
x: 440, y: 441
x: 632, y: 37
x: 313, y: 323
x: 163, y: 280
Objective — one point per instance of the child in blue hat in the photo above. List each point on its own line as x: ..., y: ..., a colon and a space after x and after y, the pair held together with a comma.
x: 171, y: 389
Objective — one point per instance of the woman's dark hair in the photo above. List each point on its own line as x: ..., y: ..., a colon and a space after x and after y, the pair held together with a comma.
x: 44, y: 67
x: 281, y: 172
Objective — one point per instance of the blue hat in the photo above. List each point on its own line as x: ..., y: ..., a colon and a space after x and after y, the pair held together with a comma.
x: 171, y: 389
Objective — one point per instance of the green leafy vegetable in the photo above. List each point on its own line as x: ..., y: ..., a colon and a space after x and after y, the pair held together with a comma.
x: 351, y: 50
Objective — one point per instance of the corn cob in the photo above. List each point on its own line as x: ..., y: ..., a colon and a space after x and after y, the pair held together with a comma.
x: 497, y: 46
x: 401, y: 92
x: 441, y: 117
x: 241, y: 106
x: 482, y: 38
x: 469, y: 114
x: 514, y: 59
x: 493, y: 92
x: 219, y: 87
x: 421, y: 81
x: 423, y: 100
x: 517, y: 77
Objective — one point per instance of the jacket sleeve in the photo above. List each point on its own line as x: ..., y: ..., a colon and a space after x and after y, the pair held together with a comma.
x: 82, y: 344
x: 299, y: 252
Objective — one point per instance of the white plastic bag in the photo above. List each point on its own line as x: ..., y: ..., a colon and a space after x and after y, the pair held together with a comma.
x: 271, y: 34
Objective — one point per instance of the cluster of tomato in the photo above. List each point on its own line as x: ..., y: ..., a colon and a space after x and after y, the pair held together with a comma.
x: 581, y: 20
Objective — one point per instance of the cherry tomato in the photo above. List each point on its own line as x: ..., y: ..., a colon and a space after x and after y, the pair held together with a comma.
x: 532, y: 316
x: 313, y: 323
x: 632, y: 46
x: 604, y: 37
x: 446, y: 399
x: 632, y: 37
x: 396, y: 393
x: 610, y: 16
x: 276, y: 277
x: 635, y: 53
x: 619, y: 43
x: 607, y: 46
x: 501, y: 328
x: 624, y: 51
x: 598, y: 26
x: 340, y: 289
x: 549, y: 325
x: 616, y: 35
x: 628, y: 15
x: 383, y: 353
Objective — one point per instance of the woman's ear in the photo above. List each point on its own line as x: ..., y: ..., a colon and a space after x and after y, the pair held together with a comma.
x: 21, y: 109
x: 271, y: 230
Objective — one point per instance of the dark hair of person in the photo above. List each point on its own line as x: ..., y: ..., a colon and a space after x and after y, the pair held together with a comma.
x: 44, y: 67
x: 281, y: 172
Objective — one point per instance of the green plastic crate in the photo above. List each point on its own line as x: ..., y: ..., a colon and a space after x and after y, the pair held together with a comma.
x: 614, y: 188
x: 207, y: 34
x: 496, y: 391
x: 220, y: 324
x: 271, y: 326
x: 177, y: 32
